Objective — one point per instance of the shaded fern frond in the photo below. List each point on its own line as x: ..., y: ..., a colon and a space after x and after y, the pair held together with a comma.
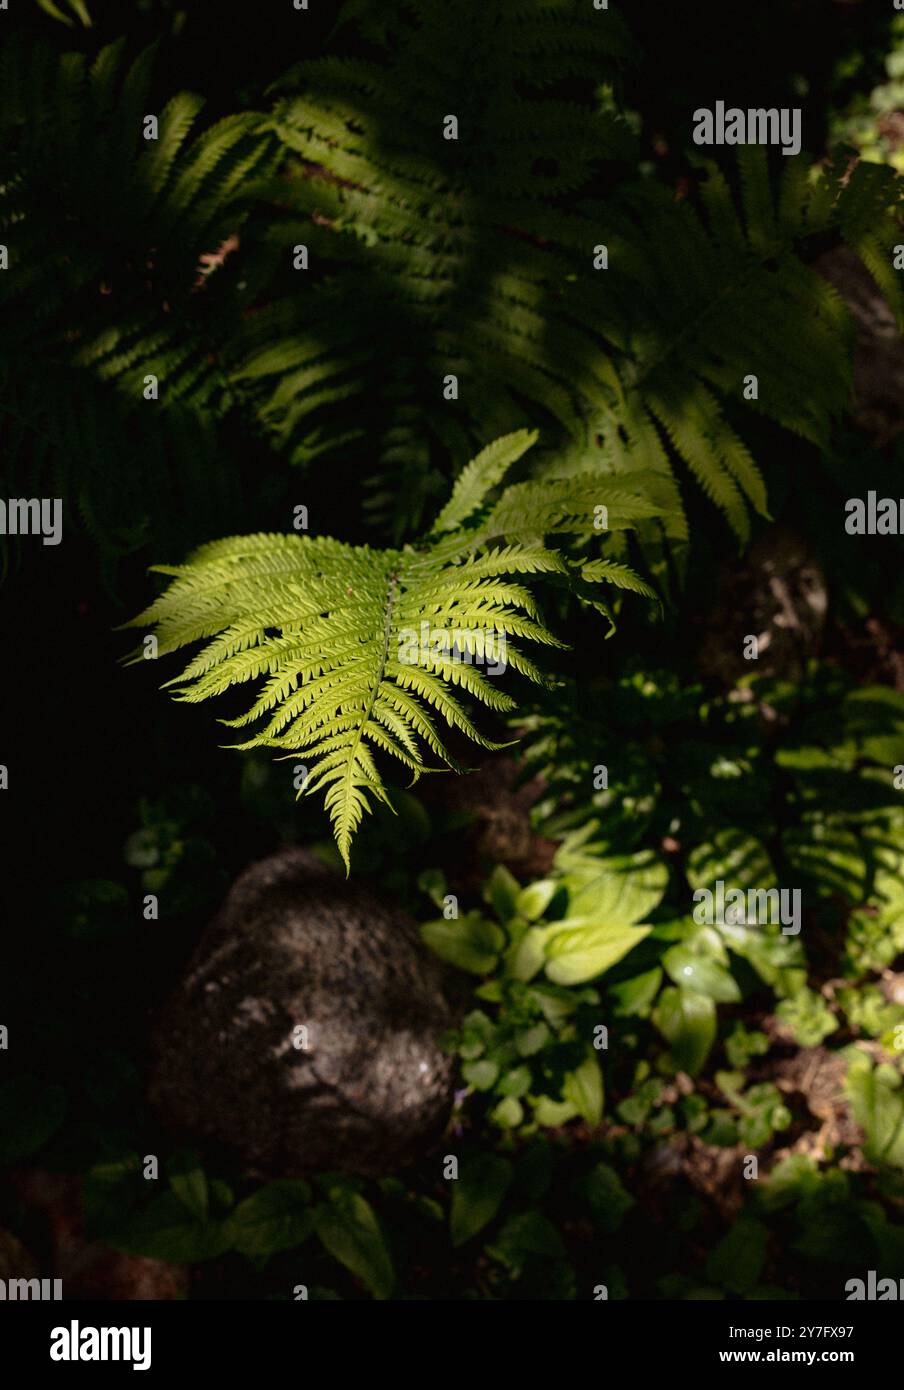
x: 119, y: 251
x: 429, y: 258
x: 59, y: 433
x: 475, y: 257
x: 78, y: 7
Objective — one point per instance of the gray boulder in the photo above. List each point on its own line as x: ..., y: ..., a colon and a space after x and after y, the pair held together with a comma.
x: 305, y: 1032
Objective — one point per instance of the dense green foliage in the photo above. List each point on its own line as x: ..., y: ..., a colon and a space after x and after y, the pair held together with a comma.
x: 256, y: 316
x: 425, y: 256
x: 479, y: 255
x: 701, y: 1023
x: 870, y: 121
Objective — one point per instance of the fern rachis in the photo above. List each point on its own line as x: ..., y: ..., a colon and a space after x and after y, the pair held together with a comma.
x: 329, y: 626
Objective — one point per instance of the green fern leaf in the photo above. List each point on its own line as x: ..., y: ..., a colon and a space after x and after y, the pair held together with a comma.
x: 362, y: 653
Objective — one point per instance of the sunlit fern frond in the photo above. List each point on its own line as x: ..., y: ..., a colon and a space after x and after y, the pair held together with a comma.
x: 362, y: 654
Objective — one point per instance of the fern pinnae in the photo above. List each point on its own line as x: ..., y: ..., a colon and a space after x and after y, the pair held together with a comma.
x: 361, y: 651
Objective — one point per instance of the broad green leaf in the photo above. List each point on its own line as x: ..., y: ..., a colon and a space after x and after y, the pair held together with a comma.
x: 530, y: 1233
x: 621, y: 890
x: 478, y: 1031
x: 532, y: 1040
x: 584, y: 1089
x: 636, y: 995
x: 433, y: 883
x: 687, y: 1021
x: 635, y: 1108
x: 609, y: 1200
x: 792, y: 1178
x: 508, y: 1114
x: 477, y: 1195
x: 515, y: 1082
x: 737, y: 1261
x: 166, y: 1230
x: 888, y: 889
x: 555, y: 1003
x: 502, y: 891
x: 189, y: 1182
x: 526, y: 957
x: 889, y: 1239
x: 533, y: 900
x: 878, y: 1105
x: 778, y: 960
x: 553, y: 1113
x: 482, y: 1074
x: 471, y: 942
x: 276, y: 1217
x: 579, y: 949
x: 701, y: 973
x: 350, y: 1231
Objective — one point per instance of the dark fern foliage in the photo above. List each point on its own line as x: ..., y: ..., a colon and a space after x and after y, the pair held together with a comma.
x: 475, y: 256
x: 122, y: 291
x: 428, y: 257
x: 60, y: 434
x: 118, y: 272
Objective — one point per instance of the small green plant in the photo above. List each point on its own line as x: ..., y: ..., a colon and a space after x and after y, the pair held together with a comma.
x: 808, y: 1017
x: 197, y: 1218
x: 759, y: 1110
x: 872, y: 121
x: 535, y: 1055
x: 772, y: 783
